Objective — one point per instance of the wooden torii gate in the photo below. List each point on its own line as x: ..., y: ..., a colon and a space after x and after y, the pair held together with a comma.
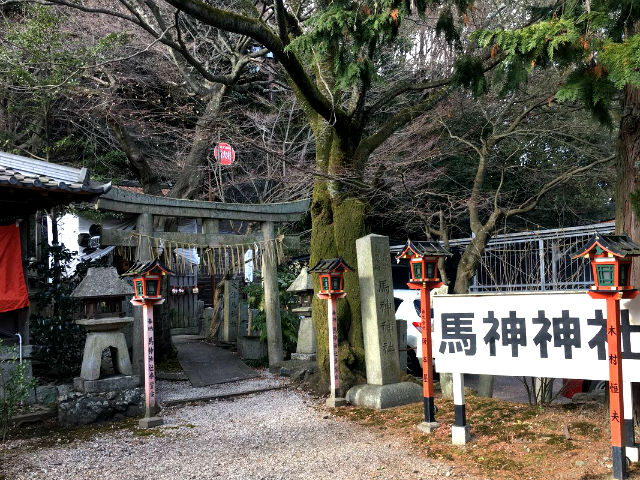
x: 209, y: 215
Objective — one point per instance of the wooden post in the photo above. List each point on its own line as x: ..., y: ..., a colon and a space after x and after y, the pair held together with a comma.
x: 333, y: 347
x: 271, y: 297
x: 460, y: 430
x: 144, y: 226
x: 616, y: 403
x: 427, y: 358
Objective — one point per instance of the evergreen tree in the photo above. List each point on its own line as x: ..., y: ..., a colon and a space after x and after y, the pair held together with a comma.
x: 596, y: 43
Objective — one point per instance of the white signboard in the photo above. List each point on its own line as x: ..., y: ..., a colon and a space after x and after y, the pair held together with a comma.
x: 559, y: 335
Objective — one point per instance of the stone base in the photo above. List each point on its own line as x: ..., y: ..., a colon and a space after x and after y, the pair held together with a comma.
x: 460, y: 435
x: 84, y: 408
x: 427, y: 427
x: 251, y: 348
x: 385, y: 396
x: 150, y: 422
x: 305, y: 357
x: 108, y: 384
x: 334, y: 402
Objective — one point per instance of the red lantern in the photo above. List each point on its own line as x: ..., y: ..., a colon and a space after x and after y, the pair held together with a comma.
x: 610, y: 257
x: 147, y: 278
x: 331, y: 276
x: 423, y: 260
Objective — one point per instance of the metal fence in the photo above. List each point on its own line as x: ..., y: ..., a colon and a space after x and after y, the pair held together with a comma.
x: 535, y: 260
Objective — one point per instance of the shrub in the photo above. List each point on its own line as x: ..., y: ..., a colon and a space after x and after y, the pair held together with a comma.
x: 14, y: 387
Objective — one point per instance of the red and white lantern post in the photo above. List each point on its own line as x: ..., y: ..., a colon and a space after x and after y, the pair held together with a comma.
x: 331, y: 288
x: 147, y: 282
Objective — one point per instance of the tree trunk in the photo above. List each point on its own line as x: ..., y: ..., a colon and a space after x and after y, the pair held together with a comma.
x: 138, y: 160
x: 469, y: 262
x: 191, y: 178
x: 338, y: 219
x: 466, y: 271
x: 628, y: 187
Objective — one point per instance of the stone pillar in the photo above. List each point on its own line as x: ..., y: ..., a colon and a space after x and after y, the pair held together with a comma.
x: 271, y: 297
x: 210, y: 225
x: 243, y: 318
x: 144, y: 225
x: 378, y: 310
x: 306, y: 346
x: 383, y: 389
x: 230, y: 320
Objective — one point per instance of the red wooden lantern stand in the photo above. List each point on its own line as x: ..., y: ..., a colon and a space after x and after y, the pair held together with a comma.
x: 424, y: 277
x: 610, y: 257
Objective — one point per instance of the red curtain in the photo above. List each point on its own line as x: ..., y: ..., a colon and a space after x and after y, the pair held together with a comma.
x: 13, y: 290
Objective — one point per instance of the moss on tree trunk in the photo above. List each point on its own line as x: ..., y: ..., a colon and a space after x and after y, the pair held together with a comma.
x: 338, y: 219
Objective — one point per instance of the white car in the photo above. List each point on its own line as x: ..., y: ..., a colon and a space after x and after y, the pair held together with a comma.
x: 408, y: 309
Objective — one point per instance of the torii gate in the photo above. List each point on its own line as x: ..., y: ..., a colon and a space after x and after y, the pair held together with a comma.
x: 146, y: 207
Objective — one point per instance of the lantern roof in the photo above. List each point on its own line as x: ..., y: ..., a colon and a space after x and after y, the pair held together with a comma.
x: 102, y: 283
x: 617, y: 245
x: 302, y: 283
x: 140, y: 268
x: 330, y: 265
x: 423, y: 249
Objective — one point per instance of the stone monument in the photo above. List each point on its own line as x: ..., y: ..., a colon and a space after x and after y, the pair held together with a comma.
x: 383, y: 388
x: 229, y: 330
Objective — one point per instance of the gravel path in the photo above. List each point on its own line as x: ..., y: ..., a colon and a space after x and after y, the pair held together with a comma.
x: 272, y: 435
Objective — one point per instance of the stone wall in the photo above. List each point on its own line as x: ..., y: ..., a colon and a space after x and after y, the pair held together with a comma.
x: 82, y: 408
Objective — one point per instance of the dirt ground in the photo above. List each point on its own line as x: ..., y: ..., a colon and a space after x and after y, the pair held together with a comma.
x: 509, y: 440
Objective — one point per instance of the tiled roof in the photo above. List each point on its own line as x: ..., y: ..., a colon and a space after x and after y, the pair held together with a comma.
x: 619, y: 245
x: 331, y: 265
x: 141, y: 268
x: 22, y: 172
x: 423, y: 249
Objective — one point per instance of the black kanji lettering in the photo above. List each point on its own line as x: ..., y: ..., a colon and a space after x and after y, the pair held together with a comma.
x: 514, y: 332
x: 627, y: 330
x: 543, y: 336
x: 566, y: 333
x: 457, y: 333
x: 492, y: 335
x: 599, y: 340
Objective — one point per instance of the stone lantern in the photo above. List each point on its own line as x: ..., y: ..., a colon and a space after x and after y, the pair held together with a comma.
x: 302, y: 286
x: 102, y: 291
